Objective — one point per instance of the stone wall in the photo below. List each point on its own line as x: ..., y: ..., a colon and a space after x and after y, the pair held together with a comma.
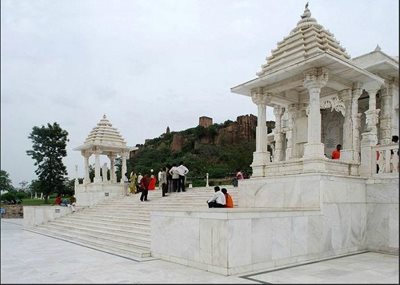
x: 12, y: 211
x: 383, y: 215
x: 286, y: 221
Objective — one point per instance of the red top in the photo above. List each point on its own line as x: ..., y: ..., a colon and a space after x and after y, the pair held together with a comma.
x: 229, y: 201
x: 336, y: 154
x: 57, y: 201
x: 144, y: 183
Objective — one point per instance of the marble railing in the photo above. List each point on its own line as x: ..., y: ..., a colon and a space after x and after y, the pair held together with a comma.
x: 385, y: 161
x: 298, y: 166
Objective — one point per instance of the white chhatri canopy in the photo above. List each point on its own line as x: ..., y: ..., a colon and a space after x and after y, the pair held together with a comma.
x: 104, y: 140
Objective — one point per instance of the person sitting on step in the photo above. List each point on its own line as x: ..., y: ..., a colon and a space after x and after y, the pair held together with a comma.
x: 218, y: 200
x: 228, y: 198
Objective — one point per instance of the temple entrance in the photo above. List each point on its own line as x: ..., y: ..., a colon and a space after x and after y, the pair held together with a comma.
x: 332, y: 130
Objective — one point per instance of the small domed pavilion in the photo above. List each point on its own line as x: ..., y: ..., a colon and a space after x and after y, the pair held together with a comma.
x: 104, y: 139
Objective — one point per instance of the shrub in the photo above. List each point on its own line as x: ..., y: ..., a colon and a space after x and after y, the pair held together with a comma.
x: 10, y: 198
x: 21, y: 195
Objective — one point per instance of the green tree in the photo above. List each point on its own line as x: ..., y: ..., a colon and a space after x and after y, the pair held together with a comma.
x: 23, y: 186
x: 48, y: 150
x: 5, y: 181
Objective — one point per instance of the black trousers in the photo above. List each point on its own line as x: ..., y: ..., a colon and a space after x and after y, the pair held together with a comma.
x: 143, y: 196
x: 164, y: 188
x: 214, y: 204
x: 181, y: 184
x: 175, y: 183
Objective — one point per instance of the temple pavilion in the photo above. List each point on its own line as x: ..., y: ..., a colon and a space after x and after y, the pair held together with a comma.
x: 104, y: 140
x: 321, y: 97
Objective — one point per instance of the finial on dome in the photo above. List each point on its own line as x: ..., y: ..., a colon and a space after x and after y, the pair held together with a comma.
x: 104, y: 116
x: 378, y: 48
x: 307, y: 13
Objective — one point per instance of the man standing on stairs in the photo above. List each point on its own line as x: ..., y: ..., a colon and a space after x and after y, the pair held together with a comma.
x: 182, y: 171
x: 144, y: 185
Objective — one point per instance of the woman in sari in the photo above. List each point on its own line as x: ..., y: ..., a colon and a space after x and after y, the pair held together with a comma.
x: 132, y: 184
x: 152, y: 184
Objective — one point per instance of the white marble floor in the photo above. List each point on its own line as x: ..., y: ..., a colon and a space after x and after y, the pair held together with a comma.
x: 27, y: 257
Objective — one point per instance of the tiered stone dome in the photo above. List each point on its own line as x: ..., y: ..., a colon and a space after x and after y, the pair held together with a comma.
x: 306, y: 40
x: 105, y: 135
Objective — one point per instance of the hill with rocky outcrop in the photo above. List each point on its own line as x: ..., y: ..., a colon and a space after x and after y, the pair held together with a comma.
x: 217, y: 149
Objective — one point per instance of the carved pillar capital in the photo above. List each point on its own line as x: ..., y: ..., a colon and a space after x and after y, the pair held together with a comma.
x: 356, y: 92
x: 260, y: 98
x: 278, y: 110
x: 346, y: 95
x: 315, y: 78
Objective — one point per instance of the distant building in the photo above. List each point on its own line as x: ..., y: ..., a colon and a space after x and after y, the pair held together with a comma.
x: 205, y: 121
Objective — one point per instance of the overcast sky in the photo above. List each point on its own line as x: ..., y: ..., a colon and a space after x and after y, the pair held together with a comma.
x: 151, y: 64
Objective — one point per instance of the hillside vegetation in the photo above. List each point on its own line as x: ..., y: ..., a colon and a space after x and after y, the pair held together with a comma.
x: 203, y: 150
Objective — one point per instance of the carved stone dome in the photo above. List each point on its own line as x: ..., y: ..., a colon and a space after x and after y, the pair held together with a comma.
x: 105, y: 135
x: 306, y: 40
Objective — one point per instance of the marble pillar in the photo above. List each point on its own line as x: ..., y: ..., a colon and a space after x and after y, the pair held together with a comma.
x: 104, y: 171
x: 86, y: 156
x: 385, y: 126
x: 314, y: 80
x: 123, y: 169
x: 370, y: 137
x: 356, y: 118
x: 372, y: 114
x: 111, y: 157
x: 291, y: 113
x: 347, y: 151
x: 76, y: 176
x: 278, y: 136
x: 261, y: 156
x: 97, y: 177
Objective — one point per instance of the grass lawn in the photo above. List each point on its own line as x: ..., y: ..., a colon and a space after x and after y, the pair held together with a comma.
x: 35, y: 202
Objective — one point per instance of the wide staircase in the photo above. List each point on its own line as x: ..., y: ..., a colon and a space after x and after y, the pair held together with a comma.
x: 121, y: 226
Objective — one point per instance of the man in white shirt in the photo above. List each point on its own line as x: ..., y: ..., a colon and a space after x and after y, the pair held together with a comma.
x: 218, y: 200
x: 182, y: 171
x: 175, y: 177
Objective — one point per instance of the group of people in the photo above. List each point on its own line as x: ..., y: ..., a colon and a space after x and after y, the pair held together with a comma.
x: 170, y: 179
x: 71, y: 202
x: 220, y: 199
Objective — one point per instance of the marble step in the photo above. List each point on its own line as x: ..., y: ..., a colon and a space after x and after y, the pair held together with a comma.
x: 133, y: 252
x: 104, y: 237
x: 136, y: 231
x: 104, y: 234
x: 108, y: 220
x: 119, y: 216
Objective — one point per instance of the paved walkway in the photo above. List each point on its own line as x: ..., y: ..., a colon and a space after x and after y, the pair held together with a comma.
x: 27, y: 257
